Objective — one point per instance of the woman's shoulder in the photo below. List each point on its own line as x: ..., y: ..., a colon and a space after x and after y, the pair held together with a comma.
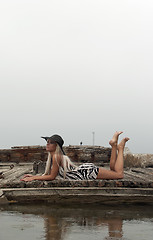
x: 56, y: 159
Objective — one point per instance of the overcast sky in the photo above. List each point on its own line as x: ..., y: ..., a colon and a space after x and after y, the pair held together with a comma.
x: 76, y: 67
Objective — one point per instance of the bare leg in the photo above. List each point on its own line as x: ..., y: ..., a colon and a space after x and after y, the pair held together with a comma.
x: 118, y: 169
x: 113, y: 143
x: 119, y: 165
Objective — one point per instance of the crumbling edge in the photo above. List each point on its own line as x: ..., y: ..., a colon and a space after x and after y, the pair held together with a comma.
x: 77, y: 195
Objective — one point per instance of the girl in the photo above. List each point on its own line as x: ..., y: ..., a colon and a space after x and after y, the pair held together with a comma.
x: 58, y: 164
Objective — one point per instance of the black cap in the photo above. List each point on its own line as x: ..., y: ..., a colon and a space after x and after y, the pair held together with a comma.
x: 58, y: 139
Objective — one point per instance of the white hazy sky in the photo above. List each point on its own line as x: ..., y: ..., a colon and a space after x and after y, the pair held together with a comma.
x: 76, y: 67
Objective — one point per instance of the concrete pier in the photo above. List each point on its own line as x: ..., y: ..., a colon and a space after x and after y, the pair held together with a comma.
x: 136, y: 187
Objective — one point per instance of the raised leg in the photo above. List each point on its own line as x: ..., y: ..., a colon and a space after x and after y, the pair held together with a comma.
x: 113, y: 143
x: 117, y: 173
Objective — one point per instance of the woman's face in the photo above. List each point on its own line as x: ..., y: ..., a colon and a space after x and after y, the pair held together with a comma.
x: 51, y: 146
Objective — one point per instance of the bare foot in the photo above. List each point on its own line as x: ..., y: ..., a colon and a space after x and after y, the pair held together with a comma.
x: 121, y: 145
x: 113, y: 141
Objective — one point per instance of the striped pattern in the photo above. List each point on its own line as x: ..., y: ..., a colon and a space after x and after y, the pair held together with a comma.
x: 86, y: 171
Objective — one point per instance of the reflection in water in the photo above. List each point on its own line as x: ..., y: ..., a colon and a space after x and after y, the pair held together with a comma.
x: 115, y: 228
x: 86, y: 222
x: 58, y: 230
x: 55, y: 229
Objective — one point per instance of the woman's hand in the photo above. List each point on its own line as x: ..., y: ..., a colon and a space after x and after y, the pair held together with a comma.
x: 27, y: 175
x: 28, y: 178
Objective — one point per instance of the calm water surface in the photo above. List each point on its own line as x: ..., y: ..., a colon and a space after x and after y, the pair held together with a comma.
x: 78, y: 223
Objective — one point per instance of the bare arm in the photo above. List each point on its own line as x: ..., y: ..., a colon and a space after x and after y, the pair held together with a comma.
x: 51, y: 176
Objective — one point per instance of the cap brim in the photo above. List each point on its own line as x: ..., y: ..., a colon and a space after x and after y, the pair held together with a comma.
x: 46, y: 138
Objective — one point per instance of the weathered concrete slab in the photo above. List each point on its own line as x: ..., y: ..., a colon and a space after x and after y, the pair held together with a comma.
x: 134, y: 177
x: 13, y: 172
x: 136, y: 187
x: 81, y: 195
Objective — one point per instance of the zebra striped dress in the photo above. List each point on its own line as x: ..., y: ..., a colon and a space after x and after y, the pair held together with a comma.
x: 86, y: 171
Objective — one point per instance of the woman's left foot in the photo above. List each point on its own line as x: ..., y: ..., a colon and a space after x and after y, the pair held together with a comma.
x: 114, y: 140
x: 121, y: 145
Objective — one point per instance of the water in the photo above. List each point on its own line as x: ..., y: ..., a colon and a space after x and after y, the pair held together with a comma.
x: 84, y: 223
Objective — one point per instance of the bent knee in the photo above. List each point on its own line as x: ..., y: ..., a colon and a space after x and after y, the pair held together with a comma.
x: 109, y: 174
